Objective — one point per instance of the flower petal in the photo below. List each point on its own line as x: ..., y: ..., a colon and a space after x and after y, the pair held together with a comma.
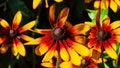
x: 26, y: 38
x: 43, y: 31
x: 58, y: 0
x: 110, y: 51
x: 33, y: 42
x: 50, y: 53
x: 62, y: 17
x: 47, y: 64
x: 27, y: 26
x: 113, y: 44
x: 81, y: 49
x: 80, y: 39
x: 20, y: 47
x: 96, y: 4
x: 118, y: 2
x: 17, y: 19
x: 116, y: 31
x: 106, y: 22
x: 75, y: 58
x: 4, y: 24
x: 66, y: 65
x: 14, y: 48
x: 4, y: 48
x: 115, y: 24
x: 81, y: 28
x: 43, y: 47
x: 36, y: 3
x: 2, y: 39
x: 51, y: 15
x: 63, y: 52
x: 113, y: 6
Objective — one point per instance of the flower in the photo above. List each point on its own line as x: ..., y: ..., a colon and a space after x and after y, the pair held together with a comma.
x: 104, y: 37
x: 37, y: 2
x: 10, y: 36
x: 113, y: 4
x: 60, y: 38
x: 88, y: 61
x: 87, y: 1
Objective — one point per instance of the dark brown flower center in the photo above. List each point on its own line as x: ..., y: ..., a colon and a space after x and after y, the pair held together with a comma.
x: 102, y: 35
x: 85, y: 63
x: 12, y: 32
x: 58, y: 33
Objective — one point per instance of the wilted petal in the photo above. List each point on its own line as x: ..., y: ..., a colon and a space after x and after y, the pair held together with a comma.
x: 4, y: 48
x: 62, y: 17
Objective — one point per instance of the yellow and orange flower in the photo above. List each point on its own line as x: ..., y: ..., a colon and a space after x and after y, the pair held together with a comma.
x: 10, y: 36
x: 104, y: 37
x: 37, y: 2
x: 113, y: 4
x: 61, y: 37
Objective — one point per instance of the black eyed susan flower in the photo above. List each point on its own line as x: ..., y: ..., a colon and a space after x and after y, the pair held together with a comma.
x: 113, y: 4
x: 104, y: 37
x: 10, y: 36
x: 60, y: 38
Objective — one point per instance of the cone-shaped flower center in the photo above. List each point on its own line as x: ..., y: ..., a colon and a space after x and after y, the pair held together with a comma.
x: 58, y: 33
x: 102, y: 35
x: 12, y: 32
x: 85, y: 63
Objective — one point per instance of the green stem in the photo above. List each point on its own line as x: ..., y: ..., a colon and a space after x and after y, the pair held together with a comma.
x: 58, y: 61
x: 102, y: 57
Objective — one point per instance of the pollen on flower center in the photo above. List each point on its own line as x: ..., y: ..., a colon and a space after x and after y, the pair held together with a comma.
x: 102, y: 35
x: 58, y: 33
x: 12, y: 32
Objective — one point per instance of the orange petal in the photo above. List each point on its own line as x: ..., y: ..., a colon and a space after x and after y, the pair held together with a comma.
x: 68, y: 24
x: 81, y: 28
x: 110, y: 51
x: 4, y: 24
x: 63, y: 52
x: 116, y: 31
x: 14, y: 48
x: 75, y: 59
x: 96, y: 4
x: 50, y: 53
x: 36, y: 3
x: 20, y: 47
x: 26, y: 38
x: 43, y: 31
x: 17, y: 19
x: 112, y: 43
x: 47, y: 64
x: 2, y: 39
x: 52, y: 15
x: 62, y: 17
x: 4, y: 48
x: 113, y: 6
x: 81, y: 49
x: 27, y: 26
x: 80, y: 39
x: 33, y: 42
x: 106, y: 22
x: 115, y: 24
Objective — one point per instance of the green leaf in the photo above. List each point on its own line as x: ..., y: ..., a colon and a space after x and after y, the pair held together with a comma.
x: 92, y: 15
x: 106, y: 66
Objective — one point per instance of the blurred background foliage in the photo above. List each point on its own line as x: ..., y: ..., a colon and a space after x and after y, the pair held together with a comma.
x: 77, y: 14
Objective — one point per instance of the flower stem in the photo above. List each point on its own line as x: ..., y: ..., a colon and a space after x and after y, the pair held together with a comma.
x: 58, y: 61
